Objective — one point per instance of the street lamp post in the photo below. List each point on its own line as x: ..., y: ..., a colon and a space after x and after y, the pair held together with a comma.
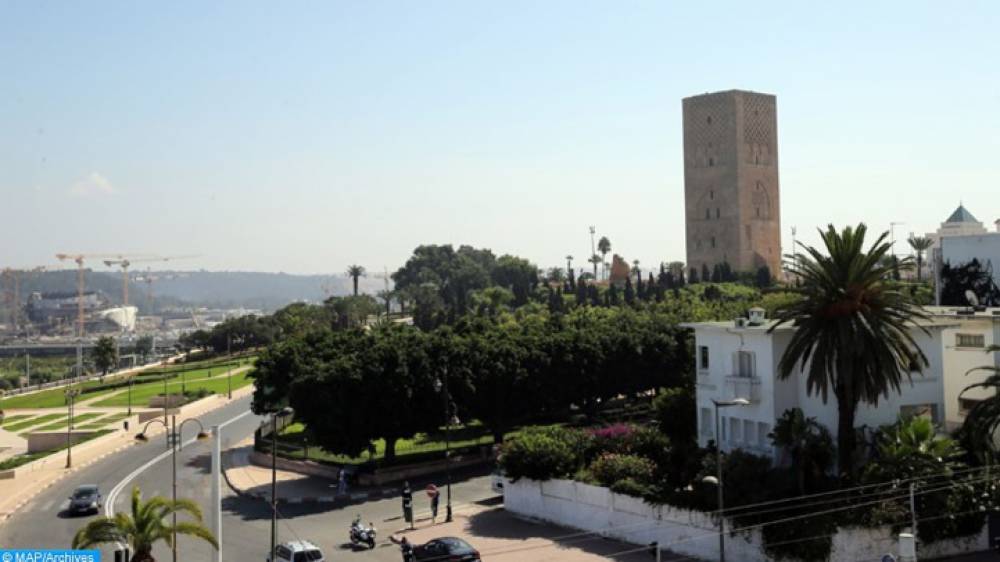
x: 174, y: 441
x: 448, y: 416
x: 718, y: 470
x: 284, y: 412
x: 71, y: 395
x: 130, y: 395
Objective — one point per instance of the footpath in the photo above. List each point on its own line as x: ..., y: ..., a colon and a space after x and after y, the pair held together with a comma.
x: 39, y: 475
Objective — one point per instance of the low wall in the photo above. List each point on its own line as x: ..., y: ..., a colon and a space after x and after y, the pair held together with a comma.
x: 691, y: 533
x: 171, y: 401
x: 48, y: 440
x: 379, y: 477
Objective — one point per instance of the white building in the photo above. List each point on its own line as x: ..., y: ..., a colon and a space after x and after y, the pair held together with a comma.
x: 959, y: 250
x: 739, y: 360
x: 960, y: 223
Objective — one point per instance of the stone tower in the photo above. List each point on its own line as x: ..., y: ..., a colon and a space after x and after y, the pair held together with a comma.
x: 731, y: 194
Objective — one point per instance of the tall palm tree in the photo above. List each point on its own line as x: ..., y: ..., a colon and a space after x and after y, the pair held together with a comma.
x: 852, y: 333
x: 354, y: 272
x: 146, y: 526
x: 604, y: 247
x: 569, y: 265
x: 920, y: 244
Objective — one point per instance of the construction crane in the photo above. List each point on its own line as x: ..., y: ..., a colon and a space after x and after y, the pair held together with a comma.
x: 125, y: 263
x: 148, y: 278
x: 79, y: 260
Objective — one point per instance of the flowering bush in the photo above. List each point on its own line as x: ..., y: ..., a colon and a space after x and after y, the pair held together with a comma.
x: 611, y: 468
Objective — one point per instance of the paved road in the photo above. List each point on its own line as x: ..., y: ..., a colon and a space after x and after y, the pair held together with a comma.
x: 246, y: 522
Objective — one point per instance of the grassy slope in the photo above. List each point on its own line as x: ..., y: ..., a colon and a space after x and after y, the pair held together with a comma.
x: 143, y: 392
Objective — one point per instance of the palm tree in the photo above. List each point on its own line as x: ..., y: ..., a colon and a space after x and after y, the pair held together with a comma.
x: 556, y: 275
x: 982, y: 421
x: 595, y: 259
x: 145, y: 527
x: 569, y: 265
x: 604, y: 246
x: 354, y: 272
x: 852, y: 330
x: 806, y: 443
x: 920, y: 244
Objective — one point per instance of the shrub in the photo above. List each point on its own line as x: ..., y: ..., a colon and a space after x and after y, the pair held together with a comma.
x: 541, y: 453
x: 630, y: 487
x: 615, y: 438
x: 675, y: 413
x: 611, y: 468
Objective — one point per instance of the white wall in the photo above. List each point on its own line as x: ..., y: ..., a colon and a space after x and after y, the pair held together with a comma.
x: 959, y: 361
x: 691, y: 533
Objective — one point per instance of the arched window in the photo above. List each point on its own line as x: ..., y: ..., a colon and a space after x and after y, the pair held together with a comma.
x: 716, y: 212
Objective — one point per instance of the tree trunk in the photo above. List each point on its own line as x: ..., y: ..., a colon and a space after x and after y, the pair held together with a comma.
x: 355, y: 285
x: 142, y: 556
x: 846, y: 439
x: 390, y: 448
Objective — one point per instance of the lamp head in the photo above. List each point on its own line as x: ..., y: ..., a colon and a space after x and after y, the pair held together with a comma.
x: 202, y: 436
x: 141, y: 437
x: 710, y: 480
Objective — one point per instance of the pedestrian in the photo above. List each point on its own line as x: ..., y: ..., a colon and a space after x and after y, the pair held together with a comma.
x: 408, y: 504
x: 342, y: 482
x: 434, y: 495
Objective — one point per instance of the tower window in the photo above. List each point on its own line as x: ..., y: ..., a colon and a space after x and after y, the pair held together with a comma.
x: 758, y: 212
x: 711, y: 162
x: 711, y: 195
x: 708, y: 214
x: 709, y: 119
x: 716, y: 212
x: 756, y: 159
x: 713, y: 241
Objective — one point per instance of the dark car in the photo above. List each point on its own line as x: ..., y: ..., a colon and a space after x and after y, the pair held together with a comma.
x: 450, y: 549
x: 85, y: 499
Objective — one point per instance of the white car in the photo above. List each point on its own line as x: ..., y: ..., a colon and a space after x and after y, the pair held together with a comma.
x: 297, y: 551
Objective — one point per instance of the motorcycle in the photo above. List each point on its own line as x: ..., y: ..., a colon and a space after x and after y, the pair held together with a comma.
x: 361, y: 534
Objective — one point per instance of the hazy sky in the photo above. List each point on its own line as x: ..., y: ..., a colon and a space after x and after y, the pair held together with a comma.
x: 302, y: 137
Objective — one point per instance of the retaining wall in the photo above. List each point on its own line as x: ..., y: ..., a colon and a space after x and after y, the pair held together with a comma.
x: 691, y: 533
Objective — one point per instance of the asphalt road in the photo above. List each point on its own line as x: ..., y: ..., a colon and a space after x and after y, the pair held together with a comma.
x: 44, y: 523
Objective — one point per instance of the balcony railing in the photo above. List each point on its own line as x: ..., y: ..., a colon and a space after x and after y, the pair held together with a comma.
x: 743, y: 387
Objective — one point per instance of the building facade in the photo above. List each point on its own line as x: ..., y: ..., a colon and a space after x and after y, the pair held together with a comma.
x: 731, y: 186
x: 740, y: 360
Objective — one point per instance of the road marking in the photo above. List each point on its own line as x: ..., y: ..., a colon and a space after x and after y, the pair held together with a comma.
x: 109, y: 502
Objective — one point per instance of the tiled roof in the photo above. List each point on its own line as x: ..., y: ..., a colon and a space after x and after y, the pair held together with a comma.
x: 961, y: 214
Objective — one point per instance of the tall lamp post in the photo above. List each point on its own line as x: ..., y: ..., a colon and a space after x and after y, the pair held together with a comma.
x: 71, y: 395
x: 717, y: 479
x: 449, y: 418
x: 174, y: 438
x: 284, y: 412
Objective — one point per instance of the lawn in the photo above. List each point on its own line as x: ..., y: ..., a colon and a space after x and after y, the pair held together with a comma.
x: 104, y: 422
x: 141, y: 393
x: 469, y: 435
x: 61, y: 424
x: 55, y: 397
x: 20, y: 460
x: 9, y: 419
x: 35, y: 420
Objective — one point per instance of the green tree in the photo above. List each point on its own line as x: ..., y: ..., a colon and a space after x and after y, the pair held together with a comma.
x: 852, y: 333
x: 569, y: 266
x: 763, y: 277
x: 596, y: 260
x: 517, y: 274
x: 979, y: 428
x: 805, y: 443
x: 355, y: 272
x: 147, y: 525
x: 604, y: 247
x: 105, y: 354
x: 144, y: 347
x: 920, y: 244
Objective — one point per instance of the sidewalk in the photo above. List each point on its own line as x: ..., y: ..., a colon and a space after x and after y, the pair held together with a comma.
x: 44, y: 473
x: 250, y: 480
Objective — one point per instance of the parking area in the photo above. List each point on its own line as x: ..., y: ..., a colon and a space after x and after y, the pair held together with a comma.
x: 500, y: 536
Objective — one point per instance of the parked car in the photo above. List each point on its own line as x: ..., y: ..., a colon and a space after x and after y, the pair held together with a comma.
x: 297, y: 551
x: 451, y: 549
x: 85, y: 499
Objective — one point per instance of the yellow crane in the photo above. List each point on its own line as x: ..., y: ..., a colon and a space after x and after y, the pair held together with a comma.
x: 125, y: 263
x: 79, y: 260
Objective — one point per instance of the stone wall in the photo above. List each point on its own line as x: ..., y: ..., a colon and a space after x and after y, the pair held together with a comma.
x: 691, y: 533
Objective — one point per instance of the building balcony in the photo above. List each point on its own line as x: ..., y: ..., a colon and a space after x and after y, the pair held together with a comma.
x: 743, y: 387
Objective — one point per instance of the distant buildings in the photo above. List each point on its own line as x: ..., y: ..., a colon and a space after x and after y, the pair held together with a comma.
x: 962, y: 238
x: 731, y: 188
x: 740, y: 360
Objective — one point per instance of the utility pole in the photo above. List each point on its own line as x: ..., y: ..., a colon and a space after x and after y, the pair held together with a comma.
x: 217, y: 489
x: 27, y: 368
x: 913, y: 518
